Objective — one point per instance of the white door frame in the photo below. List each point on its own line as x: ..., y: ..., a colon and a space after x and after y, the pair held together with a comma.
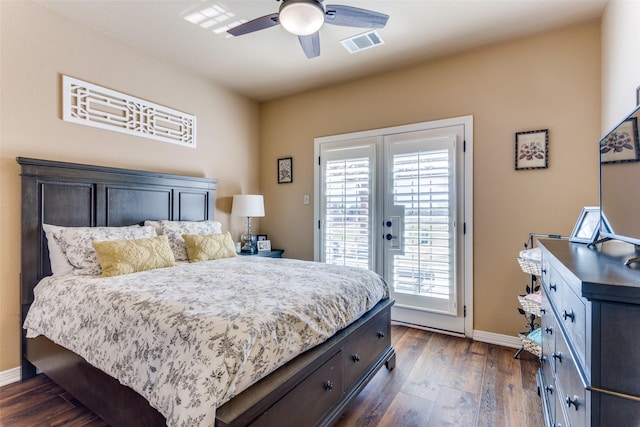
x: 467, y: 123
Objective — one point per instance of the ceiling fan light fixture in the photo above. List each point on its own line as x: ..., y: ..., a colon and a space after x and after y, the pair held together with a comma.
x: 301, y: 17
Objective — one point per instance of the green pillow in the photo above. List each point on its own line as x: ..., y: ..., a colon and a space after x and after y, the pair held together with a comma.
x: 209, y: 246
x: 129, y: 256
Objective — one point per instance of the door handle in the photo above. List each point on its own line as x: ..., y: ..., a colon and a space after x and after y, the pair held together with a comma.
x: 394, y: 233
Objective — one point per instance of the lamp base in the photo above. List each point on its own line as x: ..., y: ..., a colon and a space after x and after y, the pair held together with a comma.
x: 250, y: 250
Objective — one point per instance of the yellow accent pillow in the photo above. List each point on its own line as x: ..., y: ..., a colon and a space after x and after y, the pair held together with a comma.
x: 129, y: 256
x: 209, y: 246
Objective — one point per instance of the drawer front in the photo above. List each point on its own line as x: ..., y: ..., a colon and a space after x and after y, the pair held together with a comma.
x: 560, y: 420
x: 362, y: 351
x: 309, y: 400
x: 549, y: 330
x: 572, y: 392
x: 571, y: 312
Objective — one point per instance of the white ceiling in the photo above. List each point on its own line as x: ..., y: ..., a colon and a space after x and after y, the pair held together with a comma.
x: 270, y: 63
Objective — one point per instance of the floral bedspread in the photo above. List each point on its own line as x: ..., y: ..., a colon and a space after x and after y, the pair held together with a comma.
x: 189, y: 338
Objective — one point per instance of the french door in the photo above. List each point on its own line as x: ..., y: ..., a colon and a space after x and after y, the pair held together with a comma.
x: 395, y: 203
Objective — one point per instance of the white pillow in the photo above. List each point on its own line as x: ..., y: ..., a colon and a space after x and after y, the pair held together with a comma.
x: 175, y: 229
x: 77, y: 243
x: 59, y: 263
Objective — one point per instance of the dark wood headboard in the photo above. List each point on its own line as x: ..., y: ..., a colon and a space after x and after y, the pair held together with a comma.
x: 70, y: 194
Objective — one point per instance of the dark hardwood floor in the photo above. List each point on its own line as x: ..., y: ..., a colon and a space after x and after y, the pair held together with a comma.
x: 439, y: 380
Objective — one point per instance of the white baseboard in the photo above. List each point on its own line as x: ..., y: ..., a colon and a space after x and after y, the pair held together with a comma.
x: 482, y: 336
x: 497, y: 339
x: 10, y: 376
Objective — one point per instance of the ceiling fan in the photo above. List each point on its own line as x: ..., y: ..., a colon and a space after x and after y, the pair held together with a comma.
x: 305, y: 17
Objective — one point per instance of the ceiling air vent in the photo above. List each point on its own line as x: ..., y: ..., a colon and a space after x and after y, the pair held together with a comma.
x: 362, y: 41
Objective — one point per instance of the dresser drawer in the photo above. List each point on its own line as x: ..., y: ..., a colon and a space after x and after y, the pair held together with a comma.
x: 571, y: 311
x: 572, y: 391
x: 309, y: 400
x: 549, y: 330
x: 559, y: 420
x: 359, y: 354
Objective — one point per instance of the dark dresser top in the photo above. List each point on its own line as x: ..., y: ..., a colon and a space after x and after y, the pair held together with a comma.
x: 600, y: 268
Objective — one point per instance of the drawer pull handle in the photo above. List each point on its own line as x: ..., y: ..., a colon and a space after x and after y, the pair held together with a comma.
x: 557, y: 356
x: 355, y: 358
x: 380, y: 334
x: 328, y: 385
x: 549, y: 389
x: 544, y: 271
x: 572, y: 401
x: 569, y: 315
x: 548, y: 330
x: 543, y: 310
x: 553, y: 287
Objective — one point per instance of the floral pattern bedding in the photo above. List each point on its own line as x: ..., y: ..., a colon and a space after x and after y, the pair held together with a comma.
x: 189, y: 338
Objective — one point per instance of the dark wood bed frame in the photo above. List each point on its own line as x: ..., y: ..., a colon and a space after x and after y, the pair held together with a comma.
x: 312, y: 389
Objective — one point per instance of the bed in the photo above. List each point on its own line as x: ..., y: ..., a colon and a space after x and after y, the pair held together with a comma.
x: 311, y: 389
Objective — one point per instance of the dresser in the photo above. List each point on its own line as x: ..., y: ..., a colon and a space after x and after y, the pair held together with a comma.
x: 590, y: 364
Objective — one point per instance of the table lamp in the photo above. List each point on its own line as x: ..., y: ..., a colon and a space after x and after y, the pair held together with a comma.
x: 249, y: 206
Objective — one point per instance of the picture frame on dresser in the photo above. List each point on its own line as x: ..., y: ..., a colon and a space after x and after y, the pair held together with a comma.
x: 587, y: 226
x: 264, y: 245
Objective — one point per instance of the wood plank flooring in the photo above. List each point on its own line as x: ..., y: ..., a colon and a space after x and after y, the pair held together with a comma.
x: 438, y: 381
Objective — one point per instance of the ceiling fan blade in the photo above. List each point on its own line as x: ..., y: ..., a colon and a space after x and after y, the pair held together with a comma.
x: 349, y: 16
x: 255, y: 25
x: 310, y: 44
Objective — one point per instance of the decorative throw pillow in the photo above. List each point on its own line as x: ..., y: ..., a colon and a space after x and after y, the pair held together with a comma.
x: 57, y: 259
x: 129, y: 256
x: 76, y: 243
x: 210, y: 246
x: 175, y: 229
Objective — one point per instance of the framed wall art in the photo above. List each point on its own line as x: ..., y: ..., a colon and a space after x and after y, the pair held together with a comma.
x: 285, y: 170
x: 532, y: 149
x: 621, y: 145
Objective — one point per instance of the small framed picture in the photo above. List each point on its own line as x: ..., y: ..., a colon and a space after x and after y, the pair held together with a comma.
x: 532, y: 149
x: 264, y: 245
x: 285, y: 170
x: 588, y: 225
x: 621, y: 144
x: 261, y: 237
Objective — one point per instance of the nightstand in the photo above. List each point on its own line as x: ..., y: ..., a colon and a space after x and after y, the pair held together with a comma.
x: 274, y: 253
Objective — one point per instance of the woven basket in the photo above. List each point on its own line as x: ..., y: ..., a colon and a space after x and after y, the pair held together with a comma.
x: 529, y: 306
x: 530, y: 346
x: 530, y: 267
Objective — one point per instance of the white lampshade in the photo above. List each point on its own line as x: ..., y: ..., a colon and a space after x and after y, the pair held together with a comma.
x: 301, y: 17
x: 248, y: 205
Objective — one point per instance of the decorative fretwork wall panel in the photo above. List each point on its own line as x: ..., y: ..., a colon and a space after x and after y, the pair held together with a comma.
x: 91, y: 105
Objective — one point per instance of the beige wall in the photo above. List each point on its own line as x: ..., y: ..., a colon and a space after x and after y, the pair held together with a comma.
x: 38, y: 46
x: 551, y: 80
x: 620, y: 60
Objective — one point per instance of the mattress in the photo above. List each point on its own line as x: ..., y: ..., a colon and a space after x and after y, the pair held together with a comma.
x: 189, y: 338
